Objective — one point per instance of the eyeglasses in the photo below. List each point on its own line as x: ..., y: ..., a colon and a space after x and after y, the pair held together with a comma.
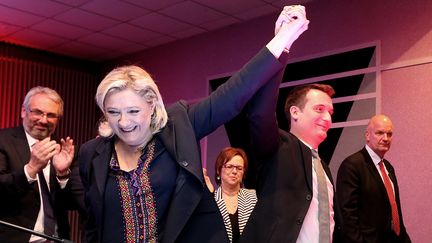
x: 40, y: 114
x: 231, y: 167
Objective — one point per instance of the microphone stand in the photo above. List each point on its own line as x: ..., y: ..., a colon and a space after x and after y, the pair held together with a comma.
x: 51, y: 238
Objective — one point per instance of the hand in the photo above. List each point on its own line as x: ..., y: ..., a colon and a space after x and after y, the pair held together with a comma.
x: 42, y: 152
x: 63, y: 159
x: 208, y: 181
x: 292, y: 22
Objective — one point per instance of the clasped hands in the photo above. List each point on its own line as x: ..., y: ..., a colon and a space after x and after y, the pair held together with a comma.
x: 292, y: 22
x: 61, y: 156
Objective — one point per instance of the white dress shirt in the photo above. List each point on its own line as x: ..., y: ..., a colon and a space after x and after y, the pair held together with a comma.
x: 309, y: 232
x: 376, y: 159
x: 39, y: 225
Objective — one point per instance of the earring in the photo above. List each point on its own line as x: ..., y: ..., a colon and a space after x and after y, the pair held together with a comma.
x: 218, y: 178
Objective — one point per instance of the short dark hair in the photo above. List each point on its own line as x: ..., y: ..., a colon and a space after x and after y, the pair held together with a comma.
x: 297, y: 97
x: 226, y: 155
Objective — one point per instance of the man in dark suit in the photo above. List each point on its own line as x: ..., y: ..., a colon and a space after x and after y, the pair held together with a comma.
x: 371, y: 210
x: 288, y: 208
x: 34, y: 170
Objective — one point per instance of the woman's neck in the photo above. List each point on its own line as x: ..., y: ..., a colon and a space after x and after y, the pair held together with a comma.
x: 230, y: 190
x: 130, y: 149
x: 127, y: 156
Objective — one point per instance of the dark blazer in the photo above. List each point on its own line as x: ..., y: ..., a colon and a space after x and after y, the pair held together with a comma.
x: 193, y: 215
x: 284, y: 194
x: 364, y: 202
x: 284, y: 179
x: 20, y: 201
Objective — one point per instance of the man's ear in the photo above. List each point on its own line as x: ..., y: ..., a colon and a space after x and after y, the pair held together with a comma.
x: 294, y: 111
x: 23, y: 112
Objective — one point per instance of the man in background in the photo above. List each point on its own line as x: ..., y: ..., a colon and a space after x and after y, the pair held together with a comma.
x: 368, y: 192
x: 35, y: 171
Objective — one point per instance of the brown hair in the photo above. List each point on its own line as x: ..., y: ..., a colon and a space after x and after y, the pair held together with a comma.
x: 226, y: 155
x: 297, y: 97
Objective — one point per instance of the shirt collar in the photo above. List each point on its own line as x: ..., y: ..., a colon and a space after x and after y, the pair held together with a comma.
x: 30, y: 140
x: 375, y: 158
x: 307, y: 145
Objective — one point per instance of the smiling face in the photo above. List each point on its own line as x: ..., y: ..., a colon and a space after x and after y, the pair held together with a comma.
x: 41, y: 116
x: 232, y: 172
x: 312, y: 122
x: 129, y: 115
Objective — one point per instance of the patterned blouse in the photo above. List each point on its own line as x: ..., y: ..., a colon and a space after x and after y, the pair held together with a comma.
x: 140, y: 197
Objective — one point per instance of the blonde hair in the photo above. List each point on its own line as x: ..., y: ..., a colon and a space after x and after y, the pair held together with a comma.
x: 138, y: 80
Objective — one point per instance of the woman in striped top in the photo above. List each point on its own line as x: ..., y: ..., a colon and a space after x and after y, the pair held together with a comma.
x: 235, y: 203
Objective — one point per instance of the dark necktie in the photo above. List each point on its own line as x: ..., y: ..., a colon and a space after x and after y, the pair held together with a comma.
x: 323, y: 201
x: 49, y: 219
x: 391, y: 196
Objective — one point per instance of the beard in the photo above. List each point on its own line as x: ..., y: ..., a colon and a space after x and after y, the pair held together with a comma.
x: 38, y: 133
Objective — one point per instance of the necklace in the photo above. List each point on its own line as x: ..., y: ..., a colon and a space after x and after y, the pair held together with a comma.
x: 231, y: 201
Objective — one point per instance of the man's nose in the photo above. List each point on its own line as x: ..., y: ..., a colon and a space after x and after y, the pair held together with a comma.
x: 43, y: 119
x: 327, y: 117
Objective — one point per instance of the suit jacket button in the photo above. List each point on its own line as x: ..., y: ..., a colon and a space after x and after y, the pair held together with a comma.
x: 299, y: 221
x: 184, y: 163
x: 308, y: 197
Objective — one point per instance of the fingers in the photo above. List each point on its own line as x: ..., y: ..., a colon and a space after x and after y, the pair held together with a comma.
x: 66, y: 152
x: 295, y: 15
x: 208, y: 181
x: 42, y: 152
x: 67, y: 145
x: 45, y: 149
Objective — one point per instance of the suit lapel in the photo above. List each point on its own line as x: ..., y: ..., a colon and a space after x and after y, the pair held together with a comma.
x: 328, y: 172
x: 392, y: 176
x: 176, y: 140
x: 391, y: 172
x: 21, y: 145
x: 374, y: 172
x: 187, y: 195
x: 306, y: 159
x: 101, y: 163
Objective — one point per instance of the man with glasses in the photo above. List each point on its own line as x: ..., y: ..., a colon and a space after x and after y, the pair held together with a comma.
x: 35, y: 182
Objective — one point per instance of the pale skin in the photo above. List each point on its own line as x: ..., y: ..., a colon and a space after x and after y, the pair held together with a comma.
x: 292, y: 22
x: 208, y: 181
x: 312, y: 122
x: 41, y: 128
x: 129, y: 115
x: 231, y: 183
x: 379, y: 134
